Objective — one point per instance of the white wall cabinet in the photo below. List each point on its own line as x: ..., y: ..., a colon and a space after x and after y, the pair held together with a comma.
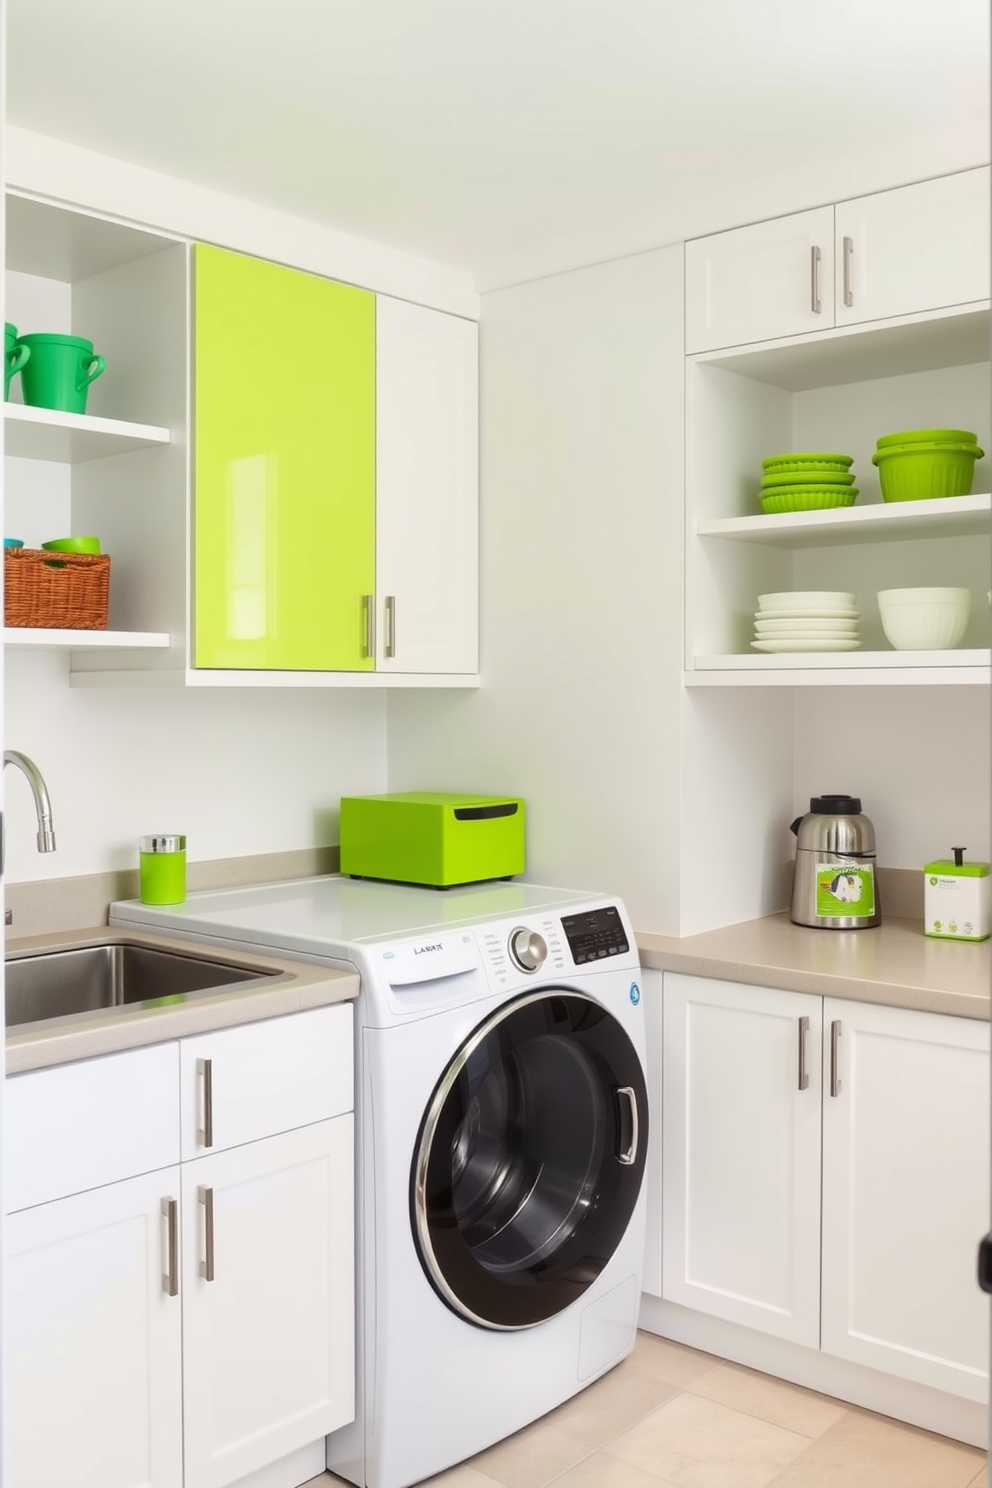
x: 94, y: 1340
x: 122, y: 470
x: 905, y: 1176
x: 190, y: 1325
x: 916, y: 248
x: 741, y: 1154
x: 753, y: 283
x: 906, y: 1193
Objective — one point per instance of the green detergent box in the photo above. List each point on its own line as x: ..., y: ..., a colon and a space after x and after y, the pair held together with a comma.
x: 957, y: 898
x: 433, y: 838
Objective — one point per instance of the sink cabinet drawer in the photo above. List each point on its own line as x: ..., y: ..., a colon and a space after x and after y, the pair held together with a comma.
x: 78, y: 1126
x: 253, y: 1081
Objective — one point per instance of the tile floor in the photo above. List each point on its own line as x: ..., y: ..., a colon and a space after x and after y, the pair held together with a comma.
x: 669, y: 1417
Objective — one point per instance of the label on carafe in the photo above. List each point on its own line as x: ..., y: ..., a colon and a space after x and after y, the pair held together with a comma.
x: 845, y: 890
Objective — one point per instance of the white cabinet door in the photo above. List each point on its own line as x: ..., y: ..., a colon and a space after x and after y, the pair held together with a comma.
x: 741, y: 1154
x: 94, y: 1339
x: 906, y: 1194
x: 759, y: 282
x: 268, y: 1300
x: 427, y: 558
x: 912, y: 249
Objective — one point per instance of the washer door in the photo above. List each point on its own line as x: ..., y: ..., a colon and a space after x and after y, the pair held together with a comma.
x: 530, y: 1160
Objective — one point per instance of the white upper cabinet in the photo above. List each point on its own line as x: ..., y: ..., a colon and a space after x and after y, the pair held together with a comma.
x: 918, y: 248
x: 772, y: 279
x: 427, y: 538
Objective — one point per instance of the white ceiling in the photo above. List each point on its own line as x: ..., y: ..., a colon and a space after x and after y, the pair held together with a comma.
x: 470, y: 130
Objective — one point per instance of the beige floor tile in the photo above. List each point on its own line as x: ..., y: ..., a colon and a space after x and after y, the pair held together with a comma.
x: 868, y: 1451
x: 983, y: 1478
x: 612, y: 1405
x: 532, y: 1457
x: 601, y: 1471
x: 773, y: 1400
x: 670, y: 1361
x: 696, y: 1443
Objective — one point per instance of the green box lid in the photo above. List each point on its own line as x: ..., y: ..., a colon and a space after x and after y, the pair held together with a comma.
x: 947, y: 868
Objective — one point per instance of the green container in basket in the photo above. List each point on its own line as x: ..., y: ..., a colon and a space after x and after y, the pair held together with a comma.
x: 925, y: 472
x: 59, y: 371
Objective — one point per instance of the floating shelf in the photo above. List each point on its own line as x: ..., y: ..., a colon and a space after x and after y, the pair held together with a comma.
x: 85, y: 640
x: 71, y: 438
x: 844, y: 669
x: 952, y: 516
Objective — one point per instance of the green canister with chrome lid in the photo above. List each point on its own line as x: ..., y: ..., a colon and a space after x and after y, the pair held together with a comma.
x: 162, y: 869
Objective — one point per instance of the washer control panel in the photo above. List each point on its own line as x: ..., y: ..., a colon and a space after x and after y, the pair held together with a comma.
x: 595, y: 934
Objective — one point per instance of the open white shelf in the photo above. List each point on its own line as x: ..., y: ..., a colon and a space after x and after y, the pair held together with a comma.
x: 843, y: 668
x: 71, y: 438
x: 85, y: 640
x: 957, y: 516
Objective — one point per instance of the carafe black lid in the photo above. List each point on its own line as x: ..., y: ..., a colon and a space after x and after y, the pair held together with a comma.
x: 835, y: 805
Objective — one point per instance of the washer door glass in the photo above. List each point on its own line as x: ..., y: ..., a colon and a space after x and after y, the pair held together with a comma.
x: 530, y: 1160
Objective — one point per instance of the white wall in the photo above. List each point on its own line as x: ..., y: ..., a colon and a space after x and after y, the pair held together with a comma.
x: 581, y: 538
x: 239, y: 771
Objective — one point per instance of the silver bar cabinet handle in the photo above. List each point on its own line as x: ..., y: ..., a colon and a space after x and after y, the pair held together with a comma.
x: 390, y: 647
x: 170, y: 1277
x: 368, y: 613
x: 205, y: 1072
x: 206, y: 1198
x: 814, y: 280
x: 803, y: 1071
x: 835, y: 1083
x: 630, y: 1156
x: 848, y: 255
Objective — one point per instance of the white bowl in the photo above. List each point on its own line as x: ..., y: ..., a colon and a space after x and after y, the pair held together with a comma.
x: 924, y: 619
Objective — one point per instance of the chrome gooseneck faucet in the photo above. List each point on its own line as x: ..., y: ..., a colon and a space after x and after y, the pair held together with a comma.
x: 42, y: 805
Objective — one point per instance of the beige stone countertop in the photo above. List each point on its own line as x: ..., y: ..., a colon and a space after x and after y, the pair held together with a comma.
x: 893, y: 963
x: 299, y: 986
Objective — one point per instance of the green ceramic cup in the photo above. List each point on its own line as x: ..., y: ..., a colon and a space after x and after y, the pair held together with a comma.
x: 14, y: 356
x: 59, y: 371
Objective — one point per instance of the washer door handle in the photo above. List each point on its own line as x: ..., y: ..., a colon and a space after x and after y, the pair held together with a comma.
x: 628, y: 1155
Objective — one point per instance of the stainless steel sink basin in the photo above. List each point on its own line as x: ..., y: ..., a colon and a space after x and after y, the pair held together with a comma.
x: 41, y: 985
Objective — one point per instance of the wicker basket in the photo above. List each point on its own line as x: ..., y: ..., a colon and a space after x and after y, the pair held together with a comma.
x: 55, y: 591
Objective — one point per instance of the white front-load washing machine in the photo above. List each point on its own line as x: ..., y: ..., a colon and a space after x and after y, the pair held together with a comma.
x: 501, y: 1112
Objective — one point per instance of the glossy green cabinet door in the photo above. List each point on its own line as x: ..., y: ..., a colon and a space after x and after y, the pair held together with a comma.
x: 284, y: 467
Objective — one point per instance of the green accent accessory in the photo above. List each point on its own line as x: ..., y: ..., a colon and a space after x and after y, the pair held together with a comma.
x: 946, y: 867
x: 808, y: 498
x: 925, y: 472
x: 284, y: 467
x: 844, y: 890
x: 928, y: 436
x: 802, y: 460
x: 14, y: 356
x: 811, y: 476
x: 59, y: 371
x: 432, y: 838
x: 162, y: 869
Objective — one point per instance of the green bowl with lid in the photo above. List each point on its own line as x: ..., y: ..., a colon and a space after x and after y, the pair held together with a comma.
x: 928, y: 436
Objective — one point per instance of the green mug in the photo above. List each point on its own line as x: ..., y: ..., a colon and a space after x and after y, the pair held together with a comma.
x: 14, y: 356
x: 59, y: 371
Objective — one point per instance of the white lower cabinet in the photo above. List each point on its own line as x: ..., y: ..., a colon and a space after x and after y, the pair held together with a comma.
x: 189, y: 1326
x: 880, y: 1270
x: 94, y: 1341
x: 906, y: 1194
x: 741, y: 1154
x: 267, y: 1297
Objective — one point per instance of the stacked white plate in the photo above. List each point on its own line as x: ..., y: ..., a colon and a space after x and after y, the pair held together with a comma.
x: 806, y: 620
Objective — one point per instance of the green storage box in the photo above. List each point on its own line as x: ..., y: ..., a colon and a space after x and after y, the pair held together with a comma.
x: 432, y: 837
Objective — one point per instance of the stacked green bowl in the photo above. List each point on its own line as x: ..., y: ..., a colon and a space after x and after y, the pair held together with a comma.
x: 804, y: 481
x: 925, y: 464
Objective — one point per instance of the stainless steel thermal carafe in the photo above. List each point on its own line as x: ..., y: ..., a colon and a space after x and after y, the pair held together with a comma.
x: 834, y: 885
